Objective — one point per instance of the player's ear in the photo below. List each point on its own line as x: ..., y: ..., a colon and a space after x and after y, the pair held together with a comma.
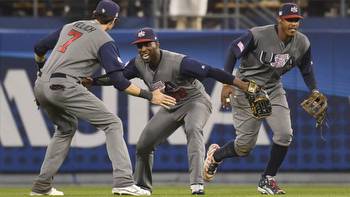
x: 279, y: 20
x: 158, y: 44
x: 115, y: 21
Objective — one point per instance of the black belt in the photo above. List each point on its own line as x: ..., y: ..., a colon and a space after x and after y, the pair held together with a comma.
x: 58, y: 75
x: 62, y: 75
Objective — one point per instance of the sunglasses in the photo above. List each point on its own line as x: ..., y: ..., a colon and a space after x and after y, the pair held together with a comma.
x: 292, y: 20
x: 146, y: 44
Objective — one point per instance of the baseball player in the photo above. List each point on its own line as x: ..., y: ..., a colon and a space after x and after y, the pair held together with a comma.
x: 179, y: 76
x: 78, y: 50
x: 266, y: 53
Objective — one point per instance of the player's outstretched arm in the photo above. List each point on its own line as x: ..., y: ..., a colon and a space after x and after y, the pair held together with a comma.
x: 103, y: 80
x: 118, y: 80
x: 155, y: 97
x: 193, y: 68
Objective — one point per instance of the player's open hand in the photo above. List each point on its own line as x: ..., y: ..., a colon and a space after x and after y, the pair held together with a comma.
x: 226, y: 93
x: 86, y: 82
x: 162, y: 99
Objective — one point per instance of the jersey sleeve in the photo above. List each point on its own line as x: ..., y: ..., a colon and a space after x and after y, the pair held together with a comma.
x: 118, y: 80
x: 108, y: 56
x: 193, y: 68
x: 47, y: 43
x: 130, y: 71
x: 306, y: 69
x: 237, y: 49
x: 115, y: 78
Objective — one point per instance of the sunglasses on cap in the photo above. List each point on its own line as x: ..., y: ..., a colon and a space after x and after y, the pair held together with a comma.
x: 292, y: 20
x: 146, y: 44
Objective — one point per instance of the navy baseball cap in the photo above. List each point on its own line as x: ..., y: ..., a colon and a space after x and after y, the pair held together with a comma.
x: 108, y: 8
x: 145, y: 35
x: 289, y: 10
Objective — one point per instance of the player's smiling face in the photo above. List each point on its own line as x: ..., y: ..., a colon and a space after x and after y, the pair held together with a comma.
x: 289, y: 26
x: 148, y: 51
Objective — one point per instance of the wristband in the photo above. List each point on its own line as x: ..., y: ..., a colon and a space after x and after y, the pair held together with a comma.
x: 146, y: 94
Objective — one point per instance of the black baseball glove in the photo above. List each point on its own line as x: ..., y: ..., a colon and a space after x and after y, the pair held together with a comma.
x: 40, y: 62
x: 259, y: 101
x: 316, y: 105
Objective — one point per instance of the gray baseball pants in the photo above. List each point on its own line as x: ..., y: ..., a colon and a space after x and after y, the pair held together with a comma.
x: 192, y: 116
x: 247, y: 127
x: 64, y: 107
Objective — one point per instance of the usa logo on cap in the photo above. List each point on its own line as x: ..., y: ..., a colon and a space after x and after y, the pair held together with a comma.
x: 145, y: 34
x: 294, y: 9
x: 289, y: 10
x: 141, y: 34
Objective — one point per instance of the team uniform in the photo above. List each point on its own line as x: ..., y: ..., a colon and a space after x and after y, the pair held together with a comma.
x: 192, y: 110
x: 181, y: 76
x: 78, y: 50
x: 264, y: 59
x: 58, y: 91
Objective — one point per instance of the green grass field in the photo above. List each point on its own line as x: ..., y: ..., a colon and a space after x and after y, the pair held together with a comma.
x: 211, y: 190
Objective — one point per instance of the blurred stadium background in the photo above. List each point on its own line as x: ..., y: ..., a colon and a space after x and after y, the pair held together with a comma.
x: 25, y: 131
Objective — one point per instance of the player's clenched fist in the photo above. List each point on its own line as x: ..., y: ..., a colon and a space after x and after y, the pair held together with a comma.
x: 226, y: 92
x: 162, y: 99
x: 87, y: 82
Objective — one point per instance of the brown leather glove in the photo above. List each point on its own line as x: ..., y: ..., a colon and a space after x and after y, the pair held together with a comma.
x: 316, y: 105
x: 259, y: 101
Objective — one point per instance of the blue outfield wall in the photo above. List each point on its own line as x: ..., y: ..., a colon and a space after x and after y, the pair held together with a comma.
x: 25, y: 131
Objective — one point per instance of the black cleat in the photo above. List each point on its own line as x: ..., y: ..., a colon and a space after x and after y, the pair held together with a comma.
x: 269, y: 186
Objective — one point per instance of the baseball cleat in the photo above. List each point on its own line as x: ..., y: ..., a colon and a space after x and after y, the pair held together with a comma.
x: 210, y: 165
x: 269, y: 186
x: 132, y: 190
x: 197, y: 189
x: 52, y: 192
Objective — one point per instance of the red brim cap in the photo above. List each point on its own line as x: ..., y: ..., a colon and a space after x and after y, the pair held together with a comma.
x: 291, y: 16
x: 142, y: 40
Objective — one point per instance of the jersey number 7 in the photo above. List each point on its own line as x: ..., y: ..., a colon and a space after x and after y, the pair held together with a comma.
x: 75, y: 34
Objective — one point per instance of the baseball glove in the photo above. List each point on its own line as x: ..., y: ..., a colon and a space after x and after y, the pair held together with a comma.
x: 259, y: 101
x: 316, y: 105
x: 39, y: 61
